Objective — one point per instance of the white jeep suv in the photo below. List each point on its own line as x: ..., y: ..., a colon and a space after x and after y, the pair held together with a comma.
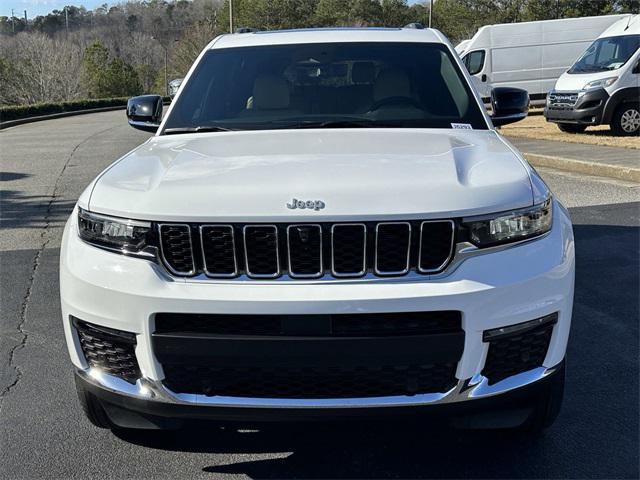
x: 325, y: 224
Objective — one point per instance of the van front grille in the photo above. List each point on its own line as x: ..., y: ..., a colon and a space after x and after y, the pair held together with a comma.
x: 562, y: 101
x: 307, y: 251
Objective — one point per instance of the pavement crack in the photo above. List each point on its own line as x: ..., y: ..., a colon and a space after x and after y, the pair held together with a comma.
x: 44, y: 235
x: 20, y: 327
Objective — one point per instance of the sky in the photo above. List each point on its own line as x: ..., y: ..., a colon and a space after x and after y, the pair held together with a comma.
x: 42, y: 7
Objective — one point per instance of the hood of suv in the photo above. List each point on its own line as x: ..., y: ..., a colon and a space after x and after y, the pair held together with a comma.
x: 357, y: 173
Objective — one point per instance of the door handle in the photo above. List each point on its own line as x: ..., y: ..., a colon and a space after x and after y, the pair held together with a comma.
x: 483, y: 77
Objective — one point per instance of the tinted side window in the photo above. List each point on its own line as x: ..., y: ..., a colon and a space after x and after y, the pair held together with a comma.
x: 474, y: 61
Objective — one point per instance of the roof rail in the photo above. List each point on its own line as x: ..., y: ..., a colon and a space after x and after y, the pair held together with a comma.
x: 246, y: 30
x: 416, y: 25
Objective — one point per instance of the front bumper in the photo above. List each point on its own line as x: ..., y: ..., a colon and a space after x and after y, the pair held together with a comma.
x: 588, y: 109
x: 149, y: 405
x: 493, y: 290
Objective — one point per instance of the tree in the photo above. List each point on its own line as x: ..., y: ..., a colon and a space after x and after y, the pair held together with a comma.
x: 121, y: 80
x: 189, y: 47
x: 395, y: 13
x: 103, y: 77
x: 39, y: 68
x: 332, y: 13
x: 94, y: 65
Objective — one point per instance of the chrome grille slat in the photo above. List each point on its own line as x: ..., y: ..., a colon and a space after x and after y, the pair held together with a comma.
x: 421, y: 249
x: 176, y: 251
x: 379, y: 254
x: 344, y: 273
x: 215, y: 271
x: 293, y: 259
x: 268, y: 249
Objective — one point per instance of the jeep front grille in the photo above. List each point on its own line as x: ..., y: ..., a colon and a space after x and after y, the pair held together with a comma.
x: 307, y: 251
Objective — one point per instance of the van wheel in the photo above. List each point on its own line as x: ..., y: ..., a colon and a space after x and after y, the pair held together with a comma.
x: 626, y: 120
x: 571, y: 127
x: 92, y: 408
x: 547, y: 406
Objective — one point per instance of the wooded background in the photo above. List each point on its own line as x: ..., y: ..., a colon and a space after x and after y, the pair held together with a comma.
x: 120, y: 50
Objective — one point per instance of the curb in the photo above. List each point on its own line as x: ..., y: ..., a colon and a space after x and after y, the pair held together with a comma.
x: 21, y: 121
x: 581, y: 166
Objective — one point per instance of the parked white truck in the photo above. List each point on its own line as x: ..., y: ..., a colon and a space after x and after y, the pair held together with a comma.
x: 529, y: 55
x: 603, y: 86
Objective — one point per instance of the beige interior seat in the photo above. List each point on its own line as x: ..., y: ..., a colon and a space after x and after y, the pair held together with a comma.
x: 391, y: 83
x: 270, y: 92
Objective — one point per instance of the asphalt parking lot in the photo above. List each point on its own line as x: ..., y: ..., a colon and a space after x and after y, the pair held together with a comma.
x: 46, y: 165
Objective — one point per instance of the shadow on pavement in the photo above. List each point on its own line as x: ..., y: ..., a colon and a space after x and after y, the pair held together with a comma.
x: 18, y: 210
x: 9, y: 176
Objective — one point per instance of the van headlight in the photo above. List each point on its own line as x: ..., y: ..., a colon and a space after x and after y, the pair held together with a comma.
x: 602, y: 83
x: 512, y: 226
x: 114, y: 233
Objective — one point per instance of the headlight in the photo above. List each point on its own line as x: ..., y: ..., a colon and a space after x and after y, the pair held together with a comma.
x: 512, y: 226
x: 118, y: 234
x: 602, y: 83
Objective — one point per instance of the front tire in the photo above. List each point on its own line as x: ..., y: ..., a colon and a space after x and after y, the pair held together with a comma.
x: 571, y: 127
x: 547, y: 406
x: 626, y: 120
x: 92, y: 408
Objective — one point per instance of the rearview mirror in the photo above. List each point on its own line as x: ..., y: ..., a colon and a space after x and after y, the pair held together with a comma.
x: 509, y: 105
x: 145, y: 112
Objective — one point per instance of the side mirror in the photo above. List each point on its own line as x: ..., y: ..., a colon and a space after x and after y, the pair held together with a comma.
x: 509, y: 105
x: 145, y: 112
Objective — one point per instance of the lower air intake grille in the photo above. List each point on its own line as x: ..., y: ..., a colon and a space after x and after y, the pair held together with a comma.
x: 108, y: 350
x: 517, y: 353
x: 311, y: 382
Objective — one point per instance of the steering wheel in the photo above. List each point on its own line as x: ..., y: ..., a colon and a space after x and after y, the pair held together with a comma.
x: 399, y: 101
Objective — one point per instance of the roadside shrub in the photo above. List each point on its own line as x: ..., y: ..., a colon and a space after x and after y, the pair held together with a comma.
x: 15, y: 112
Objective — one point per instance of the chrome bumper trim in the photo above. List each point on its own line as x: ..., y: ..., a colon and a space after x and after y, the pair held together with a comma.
x: 473, y: 388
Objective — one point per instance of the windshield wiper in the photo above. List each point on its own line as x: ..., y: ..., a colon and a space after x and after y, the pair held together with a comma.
x: 209, y: 128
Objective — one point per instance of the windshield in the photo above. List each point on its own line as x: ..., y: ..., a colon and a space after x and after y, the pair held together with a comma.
x: 607, y: 54
x: 334, y: 85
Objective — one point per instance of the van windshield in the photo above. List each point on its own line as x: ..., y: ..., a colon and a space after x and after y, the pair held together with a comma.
x: 607, y: 54
x: 329, y: 85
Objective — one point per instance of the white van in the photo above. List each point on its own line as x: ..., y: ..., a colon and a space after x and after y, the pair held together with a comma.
x: 603, y: 86
x: 529, y: 55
